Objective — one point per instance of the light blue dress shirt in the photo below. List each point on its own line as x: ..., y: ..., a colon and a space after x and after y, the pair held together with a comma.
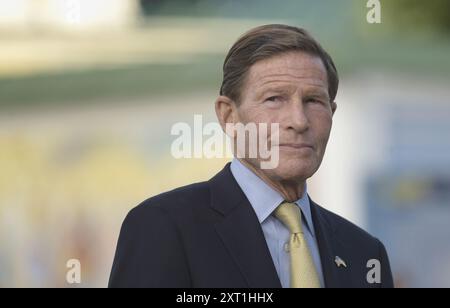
x: 264, y: 200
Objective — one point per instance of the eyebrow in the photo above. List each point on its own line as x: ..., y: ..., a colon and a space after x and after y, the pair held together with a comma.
x: 272, y: 88
x: 310, y: 91
x: 316, y: 92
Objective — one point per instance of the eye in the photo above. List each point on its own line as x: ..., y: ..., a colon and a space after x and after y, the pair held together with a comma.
x: 274, y: 98
x: 313, y: 100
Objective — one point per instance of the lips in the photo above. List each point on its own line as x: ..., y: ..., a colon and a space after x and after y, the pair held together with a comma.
x: 296, y: 145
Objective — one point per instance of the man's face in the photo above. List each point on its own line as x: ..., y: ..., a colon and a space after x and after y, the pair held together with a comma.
x: 290, y: 89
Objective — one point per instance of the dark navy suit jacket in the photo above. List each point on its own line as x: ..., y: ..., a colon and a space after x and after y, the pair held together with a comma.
x: 207, y: 235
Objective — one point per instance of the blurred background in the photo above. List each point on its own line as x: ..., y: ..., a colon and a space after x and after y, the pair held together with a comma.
x: 89, y: 91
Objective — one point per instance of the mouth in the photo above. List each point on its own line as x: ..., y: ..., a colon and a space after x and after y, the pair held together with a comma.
x: 296, y: 146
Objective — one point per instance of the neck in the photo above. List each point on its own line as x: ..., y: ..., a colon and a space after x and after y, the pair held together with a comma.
x: 291, y: 191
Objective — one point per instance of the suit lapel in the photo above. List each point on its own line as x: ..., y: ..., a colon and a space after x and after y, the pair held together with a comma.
x: 329, y: 248
x: 241, y: 232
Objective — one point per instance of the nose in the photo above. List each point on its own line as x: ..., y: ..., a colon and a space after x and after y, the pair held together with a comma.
x: 297, y: 119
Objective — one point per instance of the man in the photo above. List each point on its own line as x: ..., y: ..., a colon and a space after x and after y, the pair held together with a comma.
x: 250, y: 226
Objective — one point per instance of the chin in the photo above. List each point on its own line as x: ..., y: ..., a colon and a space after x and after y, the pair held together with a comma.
x: 295, y: 170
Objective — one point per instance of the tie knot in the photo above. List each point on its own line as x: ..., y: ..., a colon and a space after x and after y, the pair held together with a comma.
x: 291, y: 216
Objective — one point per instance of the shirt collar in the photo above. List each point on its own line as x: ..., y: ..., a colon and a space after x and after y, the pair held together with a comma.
x: 263, y: 198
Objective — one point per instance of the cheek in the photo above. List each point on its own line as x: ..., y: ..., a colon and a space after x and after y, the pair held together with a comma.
x: 256, y: 113
x: 321, y: 127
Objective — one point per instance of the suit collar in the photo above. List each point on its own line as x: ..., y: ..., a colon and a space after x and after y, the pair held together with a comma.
x: 225, y: 192
x: 263, y: 198
x: 241, y: 232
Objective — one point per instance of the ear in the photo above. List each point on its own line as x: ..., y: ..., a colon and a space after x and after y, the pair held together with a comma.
x: 333, y: 107
x: 225, y: 111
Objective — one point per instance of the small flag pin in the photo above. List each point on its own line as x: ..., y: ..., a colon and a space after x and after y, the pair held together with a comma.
x: 339, y: 262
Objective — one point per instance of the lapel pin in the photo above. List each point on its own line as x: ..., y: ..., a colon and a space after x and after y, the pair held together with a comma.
x: 339, y: 262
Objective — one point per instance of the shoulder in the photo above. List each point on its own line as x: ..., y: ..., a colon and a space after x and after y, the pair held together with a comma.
x: 346, y: 229
x: 174, y: 202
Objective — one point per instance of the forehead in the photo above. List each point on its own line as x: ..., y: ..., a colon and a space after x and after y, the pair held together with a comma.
x: 294, y: 68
